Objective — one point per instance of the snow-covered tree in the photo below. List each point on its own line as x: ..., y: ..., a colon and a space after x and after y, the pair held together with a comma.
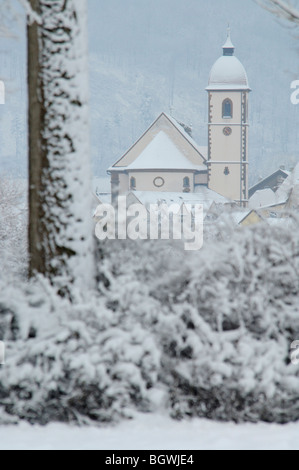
x: 60, y: 231
x: 13, y: 227
x: 210, y: 335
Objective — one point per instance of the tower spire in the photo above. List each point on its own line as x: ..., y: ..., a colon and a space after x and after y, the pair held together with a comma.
x: 228, y: 48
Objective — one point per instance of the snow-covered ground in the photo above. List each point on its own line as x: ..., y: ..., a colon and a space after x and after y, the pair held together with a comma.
x: 153, y: 432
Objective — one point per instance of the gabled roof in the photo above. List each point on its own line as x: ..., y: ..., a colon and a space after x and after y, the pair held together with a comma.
x: 185, y: 134
x: 262, y: 198
x: 265, y: 183
x: 286, y: 192
x: 147, y: 149
x: 241, y: 216
x: 162, y: 154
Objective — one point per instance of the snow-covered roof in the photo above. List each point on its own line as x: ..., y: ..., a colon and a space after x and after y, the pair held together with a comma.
x: 228, y: 74
x: 204, y: 196
x: 103, y: 198
x: 235, y: 216
x: 268, y: 178
x: 262, y: 198
x: 202, y: 150
x: 177, y: 134
x: 163, y: 154
x: 239, y: 216
x: 206, y: 193
x: 288, y: 185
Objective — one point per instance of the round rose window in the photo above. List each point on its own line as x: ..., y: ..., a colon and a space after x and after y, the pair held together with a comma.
x: 159, y: 182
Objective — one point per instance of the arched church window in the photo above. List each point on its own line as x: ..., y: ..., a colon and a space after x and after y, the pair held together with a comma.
x: 227, y: 109
x: 133, y: 183
x: 186, y: 182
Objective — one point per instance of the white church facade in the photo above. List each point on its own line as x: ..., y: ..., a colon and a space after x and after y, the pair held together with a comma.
x: 166, y: 158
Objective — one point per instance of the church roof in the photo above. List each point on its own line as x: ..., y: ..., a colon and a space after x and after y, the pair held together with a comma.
x: 200, y: 149
x: 228, y: 73
x: 164, y: 145
x: 163, y: 154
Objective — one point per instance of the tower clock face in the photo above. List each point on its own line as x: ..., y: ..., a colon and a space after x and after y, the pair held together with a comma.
x: 227, y: 131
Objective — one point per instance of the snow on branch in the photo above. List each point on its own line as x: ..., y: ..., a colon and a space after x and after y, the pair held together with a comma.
x: 282, y: 8
x: 32, y: 16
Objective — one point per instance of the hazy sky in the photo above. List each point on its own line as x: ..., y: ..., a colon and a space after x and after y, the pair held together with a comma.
x: 149, y: 56
x: 159, y: 54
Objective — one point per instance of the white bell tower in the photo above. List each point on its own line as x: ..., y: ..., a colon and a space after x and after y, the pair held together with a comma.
x: 228, y: 92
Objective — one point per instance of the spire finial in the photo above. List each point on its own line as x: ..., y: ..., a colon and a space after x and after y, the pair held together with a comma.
x: 228, y: 48
x: 228, y: 30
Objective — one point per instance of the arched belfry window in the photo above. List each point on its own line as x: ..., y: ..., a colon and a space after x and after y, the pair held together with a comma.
x: 133, y: 183
x: 227, y: 109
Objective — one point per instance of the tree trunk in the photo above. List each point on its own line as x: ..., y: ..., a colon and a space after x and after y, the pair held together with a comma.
x: 60, y: 227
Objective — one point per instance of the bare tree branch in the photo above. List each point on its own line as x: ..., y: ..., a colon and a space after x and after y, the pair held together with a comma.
x: 284, y: 9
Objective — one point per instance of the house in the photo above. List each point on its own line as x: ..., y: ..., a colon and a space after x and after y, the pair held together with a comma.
x: 247, y: 218
x: 272, y: 182
x: 273, y: 205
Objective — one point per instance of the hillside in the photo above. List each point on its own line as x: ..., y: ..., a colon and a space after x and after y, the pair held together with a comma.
x: 148, y: 56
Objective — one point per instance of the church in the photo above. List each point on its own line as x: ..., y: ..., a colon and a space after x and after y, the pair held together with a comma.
x: 167, y: 159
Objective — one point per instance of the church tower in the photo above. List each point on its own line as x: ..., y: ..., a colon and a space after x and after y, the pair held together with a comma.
x: 228, y: 92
